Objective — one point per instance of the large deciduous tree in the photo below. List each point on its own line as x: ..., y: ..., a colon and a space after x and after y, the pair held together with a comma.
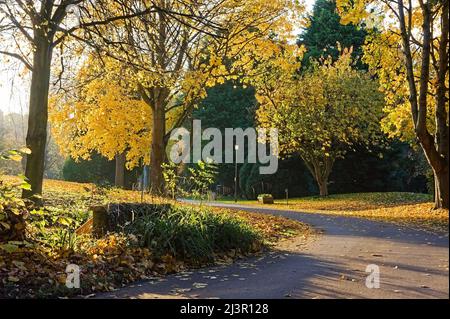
x: 409, y: 53
x: 102, y: 114
x: 173, y: 58
x: 322, y: 114
x: 30, y: 31
x: 31, y: 27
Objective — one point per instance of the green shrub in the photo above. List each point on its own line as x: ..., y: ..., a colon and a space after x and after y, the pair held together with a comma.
x: 193, y: 234
x: 97, y: 170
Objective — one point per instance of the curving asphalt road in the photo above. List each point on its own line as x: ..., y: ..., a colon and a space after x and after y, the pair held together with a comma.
x: 412, y: 264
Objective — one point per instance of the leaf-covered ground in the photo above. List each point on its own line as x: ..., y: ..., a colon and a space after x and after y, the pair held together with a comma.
x: 38, y: 269
x: 410, y: 209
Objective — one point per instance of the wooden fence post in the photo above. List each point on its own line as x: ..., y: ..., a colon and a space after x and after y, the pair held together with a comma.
x: 99, y: 221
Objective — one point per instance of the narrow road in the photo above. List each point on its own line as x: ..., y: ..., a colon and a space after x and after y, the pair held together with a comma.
x: 412, y: 264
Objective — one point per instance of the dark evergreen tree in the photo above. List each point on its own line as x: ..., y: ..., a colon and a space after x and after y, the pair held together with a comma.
x: 227, y: 105
x: 325, y: 31
x: 232, y: 106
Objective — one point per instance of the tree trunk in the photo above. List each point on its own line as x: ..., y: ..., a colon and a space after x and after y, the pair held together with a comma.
x: 323, y: 187
x: 441, y: 114
x: 38, y: 117
x: 119, y: 180
x: 320, y: 170
x: 440, y: 167
x: 158, y: 149
x: 434, y: 146
x: 441, y: 189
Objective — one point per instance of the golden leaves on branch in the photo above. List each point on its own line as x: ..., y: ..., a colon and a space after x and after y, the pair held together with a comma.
x: 106, y: 116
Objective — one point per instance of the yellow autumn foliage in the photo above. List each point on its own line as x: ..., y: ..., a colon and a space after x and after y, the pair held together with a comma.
x: 384, y: 54
x: 102, y: 115
x: 177, y: 58
x: 323, y: 113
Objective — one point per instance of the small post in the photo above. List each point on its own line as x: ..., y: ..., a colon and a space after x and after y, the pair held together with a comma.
x: 287, y: 196
x: 142, y: 184
x: 144, y: 181
x: 99, y: 221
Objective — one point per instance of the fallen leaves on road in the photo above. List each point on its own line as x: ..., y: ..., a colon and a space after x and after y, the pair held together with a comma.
x: 409, y: 209
x: 273, y: 228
